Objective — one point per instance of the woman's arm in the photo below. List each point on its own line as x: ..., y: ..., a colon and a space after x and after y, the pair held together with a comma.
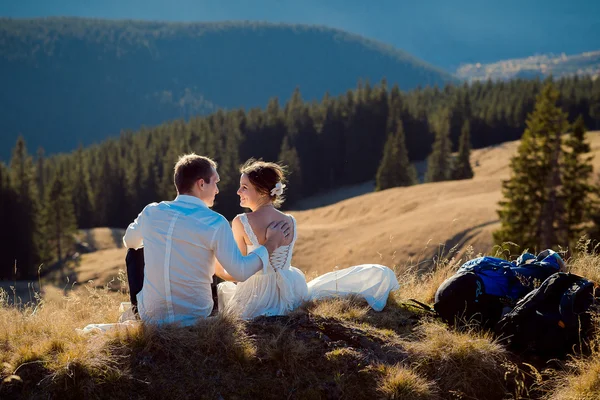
x: 221, y: 273
x: 238, y: 235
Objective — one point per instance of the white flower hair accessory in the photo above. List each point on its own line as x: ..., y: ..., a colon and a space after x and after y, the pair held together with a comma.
x: 278, y: 189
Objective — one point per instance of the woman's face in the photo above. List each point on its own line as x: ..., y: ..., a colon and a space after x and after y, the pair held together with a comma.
x: 249, y: 196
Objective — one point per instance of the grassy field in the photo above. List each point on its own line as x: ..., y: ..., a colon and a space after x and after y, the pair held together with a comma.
x: 330, y: 349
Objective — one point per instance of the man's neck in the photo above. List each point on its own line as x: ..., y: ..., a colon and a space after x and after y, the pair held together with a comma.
x: 195, y: 196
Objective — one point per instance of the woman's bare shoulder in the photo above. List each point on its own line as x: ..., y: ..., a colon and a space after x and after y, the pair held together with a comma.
x: 263, y: 220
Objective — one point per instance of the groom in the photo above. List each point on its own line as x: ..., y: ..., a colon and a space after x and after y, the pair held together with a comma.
x: 181, y: 239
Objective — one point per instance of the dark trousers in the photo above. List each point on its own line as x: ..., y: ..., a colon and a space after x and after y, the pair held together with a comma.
x: 135, y: 274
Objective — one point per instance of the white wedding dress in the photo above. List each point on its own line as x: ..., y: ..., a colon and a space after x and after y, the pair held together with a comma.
x: 279, y: 288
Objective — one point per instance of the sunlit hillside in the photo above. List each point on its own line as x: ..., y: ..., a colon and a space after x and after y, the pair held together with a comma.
x: 404, y: 226
x: 401, y: 227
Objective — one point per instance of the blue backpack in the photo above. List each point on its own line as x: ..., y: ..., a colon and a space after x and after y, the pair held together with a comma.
x: 484, y: 286
x: 513, y: 280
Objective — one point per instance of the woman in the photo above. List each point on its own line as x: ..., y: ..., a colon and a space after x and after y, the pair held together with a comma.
x: 279, y: 287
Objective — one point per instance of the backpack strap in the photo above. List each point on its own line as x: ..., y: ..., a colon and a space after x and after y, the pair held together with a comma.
x: 422, y: 306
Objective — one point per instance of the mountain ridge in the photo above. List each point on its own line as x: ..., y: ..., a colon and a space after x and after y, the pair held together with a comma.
x: 442, y: 33
x: 75, y: 80
x: 539, y: 65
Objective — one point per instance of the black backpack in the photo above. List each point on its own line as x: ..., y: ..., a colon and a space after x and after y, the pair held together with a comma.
x: 462, y: 299
x: 554, y: 319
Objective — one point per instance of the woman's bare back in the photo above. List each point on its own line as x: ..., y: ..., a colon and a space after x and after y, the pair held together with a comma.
x: 259, y: 221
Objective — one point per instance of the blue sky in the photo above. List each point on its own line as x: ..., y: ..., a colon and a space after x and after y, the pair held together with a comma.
x: 443, y: 32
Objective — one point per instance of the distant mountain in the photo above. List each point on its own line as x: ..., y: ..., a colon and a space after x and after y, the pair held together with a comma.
x: 534, y: 66
x: 71, y: 80
x: 441, y: 32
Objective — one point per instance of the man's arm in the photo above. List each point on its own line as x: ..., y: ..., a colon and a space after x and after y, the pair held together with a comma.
x: 133, y: 235
x: 241, y: 267
x: 238, y: 235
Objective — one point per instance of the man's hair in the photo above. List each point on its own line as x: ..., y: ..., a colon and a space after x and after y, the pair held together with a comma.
x: 189, y: 169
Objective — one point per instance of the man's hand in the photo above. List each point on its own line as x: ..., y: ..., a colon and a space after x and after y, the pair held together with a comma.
x: 278, y: 234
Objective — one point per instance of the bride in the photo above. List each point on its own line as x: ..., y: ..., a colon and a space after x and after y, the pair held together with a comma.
x: 280, y: 287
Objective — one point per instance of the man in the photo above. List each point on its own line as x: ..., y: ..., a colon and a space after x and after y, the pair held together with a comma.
x: 181, y: 239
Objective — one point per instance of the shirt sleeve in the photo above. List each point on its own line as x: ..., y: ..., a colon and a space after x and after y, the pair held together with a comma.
x: 227, y: 252
x: 133, y: 235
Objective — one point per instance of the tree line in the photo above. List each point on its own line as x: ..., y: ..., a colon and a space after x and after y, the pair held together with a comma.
x: 372, y: 132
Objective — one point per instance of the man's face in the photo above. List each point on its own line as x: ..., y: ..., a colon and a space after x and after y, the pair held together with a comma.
x: 210, y: 189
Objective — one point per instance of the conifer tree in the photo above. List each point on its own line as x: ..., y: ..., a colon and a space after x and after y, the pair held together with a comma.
x: 288, y: 157
x: 595, y: 112
x: 9, y: 225
x: 395, y: 168
x: 40, y: 172
x: 462, y: 168
x: 227, y: 202
x: 60, y: 218
x: 438, y: 162
x: 81, y: 192
x: 531, y: 213
x: 577, y: 188
x: 28, y: 231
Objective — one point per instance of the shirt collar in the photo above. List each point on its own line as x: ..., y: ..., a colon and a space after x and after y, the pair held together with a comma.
x: 186, y: 198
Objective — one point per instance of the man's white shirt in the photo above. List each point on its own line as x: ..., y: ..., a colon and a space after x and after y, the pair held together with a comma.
x: 181, y: 239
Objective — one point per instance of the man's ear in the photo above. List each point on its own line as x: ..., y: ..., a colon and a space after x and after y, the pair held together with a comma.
x: 200, y: 183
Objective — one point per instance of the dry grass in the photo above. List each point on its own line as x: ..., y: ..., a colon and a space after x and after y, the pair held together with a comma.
x: 402, y: 383
x: 328, y: 349
x: 469, y: 363
x: 337, y: 348
x: 421, y: 283
x: 583, y: 383
x: 587, y: 261
x: 580, y: 377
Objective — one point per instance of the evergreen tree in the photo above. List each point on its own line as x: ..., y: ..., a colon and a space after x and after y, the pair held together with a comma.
x: 8, y: 222
x: 577, y: 188
x: 40, y: 172
x: 28, y: 231
x: 531, y: 214
x: 81, y: 192
x: 438, y: 163
x: 60, y: 216
x: 227, y: 202
x: 462, y: 169
x: 395, y: 168
x: 302, y: 137
x: 288, y: 157
x: 595, y: 112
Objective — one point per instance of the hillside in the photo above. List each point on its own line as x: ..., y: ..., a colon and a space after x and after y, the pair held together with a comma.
x: 400, y: 227
x: 407, y: 226
x: 535, y: 66
x: 68, y: 81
